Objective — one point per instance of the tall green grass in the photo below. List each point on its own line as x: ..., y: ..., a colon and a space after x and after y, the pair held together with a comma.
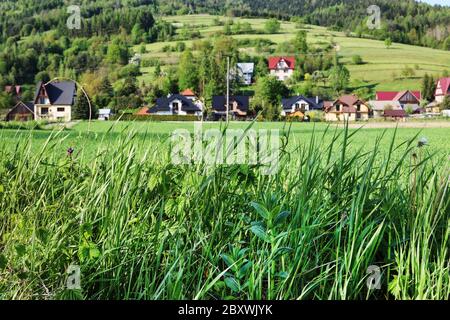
x: 142, y: 228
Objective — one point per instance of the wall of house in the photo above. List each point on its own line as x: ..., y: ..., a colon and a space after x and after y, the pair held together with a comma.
x: 331, y: 116
x: 293, y: 108
x: 281, y: 74
x: 53, y: 113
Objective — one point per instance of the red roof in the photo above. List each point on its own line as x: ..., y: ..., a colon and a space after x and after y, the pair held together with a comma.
x: 395, y: 95
x: 445, y: 85
x: 188, y: 93
x: 273, y: 62
x: 143, y: 111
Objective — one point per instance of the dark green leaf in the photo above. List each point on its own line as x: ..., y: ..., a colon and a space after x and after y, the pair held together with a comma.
x: 232, y: 284
x: 3, y: 262
x: 261, y: 210
x: 259, y: 232
x: 228, y: 260
x: 281, y: 217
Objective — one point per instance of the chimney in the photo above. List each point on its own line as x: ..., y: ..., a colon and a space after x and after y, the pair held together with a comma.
x: 317, y: 99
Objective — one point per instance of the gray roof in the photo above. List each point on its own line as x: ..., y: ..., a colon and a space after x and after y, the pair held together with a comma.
x: 162, y: 104
x: 59, y: 93
x: 289, y: 102
x: 381, y: 105
x: 246, y: 67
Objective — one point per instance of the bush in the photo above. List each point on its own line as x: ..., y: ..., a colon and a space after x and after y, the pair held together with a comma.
x: 154, y: 117
x: 357, y: 59
x: 21, y: 125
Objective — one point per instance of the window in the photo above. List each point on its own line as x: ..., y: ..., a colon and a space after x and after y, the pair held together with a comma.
x: 338, y: 107
x: 61, y: 109
x: 44, y: 110
x: 175, y: 106
x: 358, y: 107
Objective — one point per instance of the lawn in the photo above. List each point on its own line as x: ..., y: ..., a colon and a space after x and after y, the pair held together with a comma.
x: 380, y: 62
x: 342, y: 203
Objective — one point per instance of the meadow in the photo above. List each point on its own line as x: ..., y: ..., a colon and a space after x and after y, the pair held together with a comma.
x: 344, y: 203
x: 379, y: 65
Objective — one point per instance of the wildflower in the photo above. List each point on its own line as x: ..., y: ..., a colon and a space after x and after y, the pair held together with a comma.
x: 70, y: 152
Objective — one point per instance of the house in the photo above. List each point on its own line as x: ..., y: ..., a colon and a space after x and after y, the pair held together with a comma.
x: 22, y: 111
x: 442, y: 89
x: 53, y: 101
x: 282, y: 67
x: 245, y: 72
x: 301, y: 104
x: 104, y: 114
x: 379, y: 107
x: 395, y: 100
x: 238, y: 106
x: 347, y: 107
x: 185, y: 103
x: 397, y: 115
x: 433, y: 107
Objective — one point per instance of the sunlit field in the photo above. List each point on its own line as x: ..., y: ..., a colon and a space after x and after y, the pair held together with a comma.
x: 343, y: 202
x: 382, y: 68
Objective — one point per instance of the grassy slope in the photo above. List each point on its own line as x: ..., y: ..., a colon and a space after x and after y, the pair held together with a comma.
x: 380, y: 62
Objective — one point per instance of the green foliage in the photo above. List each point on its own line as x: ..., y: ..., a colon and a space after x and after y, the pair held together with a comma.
x: 357, y: 59
x: 342, y: 200
x: 388, y: 43
x: 339, y: 78
x: 81, y: 109
x: 187, y: 71
x: 272, y: 26
x: 428, y: 87
x: 154, y: 117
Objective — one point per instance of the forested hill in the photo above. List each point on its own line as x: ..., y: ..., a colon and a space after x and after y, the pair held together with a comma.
x: 405, y: 21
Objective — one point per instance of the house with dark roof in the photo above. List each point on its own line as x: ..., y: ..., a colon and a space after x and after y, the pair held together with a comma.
x: 395, y: 100
x: 175, y: 104
x: 238, y: 106
x: 282, y: 67
x: 53, y: 101
x: 442, y: 89
x: 22, y: 111
x: 397, y: 115
x: 300, y: 104
x: 347, y: 107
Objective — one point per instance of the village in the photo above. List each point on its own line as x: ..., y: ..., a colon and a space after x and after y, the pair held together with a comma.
x: 53, y: 102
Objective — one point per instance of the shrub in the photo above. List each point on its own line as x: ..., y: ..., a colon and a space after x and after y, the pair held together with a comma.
x: 154, y: 117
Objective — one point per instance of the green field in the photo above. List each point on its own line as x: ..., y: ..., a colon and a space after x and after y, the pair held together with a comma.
x: 141, y: 227
x: 380, y: 64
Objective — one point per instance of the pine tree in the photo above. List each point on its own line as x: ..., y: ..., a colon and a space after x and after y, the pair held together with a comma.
x: 80, y: 110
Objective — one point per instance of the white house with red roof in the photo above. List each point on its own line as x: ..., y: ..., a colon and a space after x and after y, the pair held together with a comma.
x: 282, y: 67
x: 395, y: 100
x: 442, y: 89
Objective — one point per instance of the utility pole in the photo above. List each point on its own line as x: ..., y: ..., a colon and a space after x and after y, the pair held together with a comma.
x: 228, y: 89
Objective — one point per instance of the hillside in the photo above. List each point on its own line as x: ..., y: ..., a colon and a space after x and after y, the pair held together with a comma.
x: 405, y: 21
x: 377, y: 71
